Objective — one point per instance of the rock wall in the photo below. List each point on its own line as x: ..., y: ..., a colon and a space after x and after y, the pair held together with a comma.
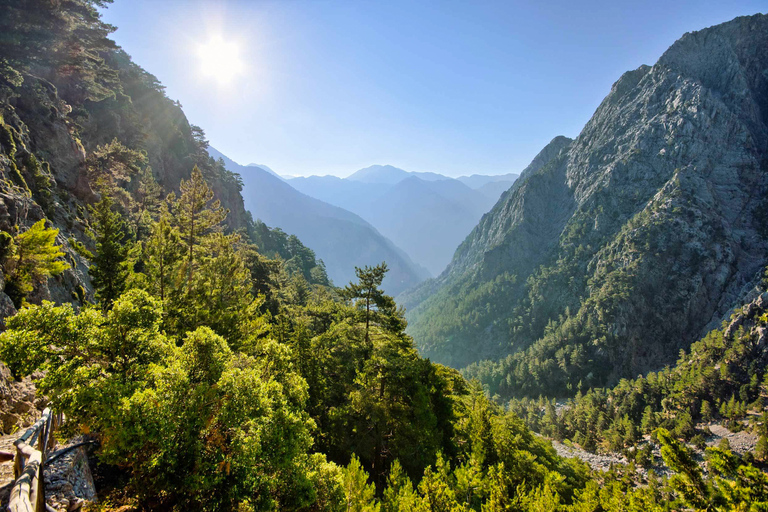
x: 631, y: 241
x: 68, y: 479
x: 19, y: 407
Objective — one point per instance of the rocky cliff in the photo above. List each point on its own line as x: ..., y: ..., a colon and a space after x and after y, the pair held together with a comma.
x: 617, y: 249
x: 56, y: 110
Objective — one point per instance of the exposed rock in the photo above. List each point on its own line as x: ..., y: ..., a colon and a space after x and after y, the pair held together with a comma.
x: 18, y: 405
x: 68, y: 479
x: 650, y: 224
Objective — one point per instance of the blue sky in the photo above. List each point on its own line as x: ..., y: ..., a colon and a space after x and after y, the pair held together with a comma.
x: 456, y: 87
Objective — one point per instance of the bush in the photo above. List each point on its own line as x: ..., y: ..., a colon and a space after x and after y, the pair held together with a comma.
x: 699, y: 442
x: 198, y: 425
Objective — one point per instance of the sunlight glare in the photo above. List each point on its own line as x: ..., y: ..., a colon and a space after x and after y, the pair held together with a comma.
x: 220, y: 59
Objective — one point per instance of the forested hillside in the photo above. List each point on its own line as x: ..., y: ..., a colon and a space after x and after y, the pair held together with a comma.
x: 211, y: 362
x: 79, y: 118
x: 340, y: 238
x: 625, y: 245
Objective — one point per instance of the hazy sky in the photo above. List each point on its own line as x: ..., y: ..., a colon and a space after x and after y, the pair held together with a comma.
x: 456, y: 87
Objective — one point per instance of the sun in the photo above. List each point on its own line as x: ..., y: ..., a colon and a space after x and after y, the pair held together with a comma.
x: 220, y: 59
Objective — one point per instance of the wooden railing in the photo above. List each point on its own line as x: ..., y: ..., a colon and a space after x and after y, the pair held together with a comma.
x: 28, y: 493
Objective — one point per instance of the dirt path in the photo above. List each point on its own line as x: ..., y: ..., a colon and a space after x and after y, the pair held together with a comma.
x: 6, y: 469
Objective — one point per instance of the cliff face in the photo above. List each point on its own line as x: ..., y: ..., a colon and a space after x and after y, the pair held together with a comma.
x: 48, y: 129
x: 630, y: 241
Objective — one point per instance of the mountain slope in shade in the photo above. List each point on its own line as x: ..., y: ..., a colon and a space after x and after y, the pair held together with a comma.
x: 340, y: 238
x: 428, y: 219
x: 613, y: 251
x: 494, y: 189
x: 437, y: 216
x: 478, y: 181
x: 264, y: 167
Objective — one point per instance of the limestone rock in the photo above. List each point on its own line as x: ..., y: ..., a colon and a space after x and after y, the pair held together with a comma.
x: 18, y: 405
x: 651, y: 223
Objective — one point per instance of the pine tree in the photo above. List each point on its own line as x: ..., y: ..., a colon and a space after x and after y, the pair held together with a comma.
x: 376, y: 307
x: 761, y: 449
x: 147, y: 200
x: 110, y: 267
x: 688, y: 481
x: 163, y: 251
x: 30, y: 258
x: 360, y: 495
x: 197, y: 215
x: 648, y: 422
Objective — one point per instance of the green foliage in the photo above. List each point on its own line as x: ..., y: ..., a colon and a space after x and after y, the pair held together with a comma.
x: 197, y: 215
x: 42, y: 182
x: 223, y: 375
x: 30, y: 258
x: 112, y: 166
x: 714, y: 371
x: 8, y: 143
x: 761, y: 449
x: 110, y: 267
x: 359, y: 494
x: 80, y: 248
x: 275, y: 243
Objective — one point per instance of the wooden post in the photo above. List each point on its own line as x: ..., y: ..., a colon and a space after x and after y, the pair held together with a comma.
x: 42, y: 446
x: 28, y: 492
x: 18, y: 464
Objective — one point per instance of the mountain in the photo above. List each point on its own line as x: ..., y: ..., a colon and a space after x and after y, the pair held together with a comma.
x: 615, y: 250
x: 386, y: 174
x: 438, y: 214
x: 354, y: 196
x: 57, y: 121
x: 478, y: 181
x: 340, y: 238
x: 494, y: 189
x: 265, y: 168
x: 428, y: 219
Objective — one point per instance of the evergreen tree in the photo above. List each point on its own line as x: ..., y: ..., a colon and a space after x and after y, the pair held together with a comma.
x: 163, y: 251
x: 196, y: 215
x: 761, y: 449
x: 147, y: 199
x: 371, y: 300
x: 110, y: 267
x: 30, y: 258
x: 688, y: 482
x: 360, y: 495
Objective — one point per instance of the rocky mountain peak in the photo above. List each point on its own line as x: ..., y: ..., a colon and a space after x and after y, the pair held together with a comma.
x: 640, y: 233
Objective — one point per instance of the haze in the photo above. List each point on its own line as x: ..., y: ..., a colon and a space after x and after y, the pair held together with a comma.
x: 450, y: 87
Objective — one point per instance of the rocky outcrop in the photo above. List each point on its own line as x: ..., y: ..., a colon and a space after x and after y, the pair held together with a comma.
x: 46, y: 134
x: 18, y: 405
x: 68, y: 480
x: 640, y: 235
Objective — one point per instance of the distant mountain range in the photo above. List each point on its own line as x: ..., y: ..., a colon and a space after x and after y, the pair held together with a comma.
x: 615, y: 250
x: 425, y: 213
x: 340, y: 238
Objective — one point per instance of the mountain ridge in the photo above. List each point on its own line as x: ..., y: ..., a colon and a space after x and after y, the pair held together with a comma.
x: 426, y: 236
x: 654, y: 207
x: 339, y: 237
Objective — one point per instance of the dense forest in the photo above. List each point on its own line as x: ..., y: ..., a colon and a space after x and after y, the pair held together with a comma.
x: 219, y: 369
